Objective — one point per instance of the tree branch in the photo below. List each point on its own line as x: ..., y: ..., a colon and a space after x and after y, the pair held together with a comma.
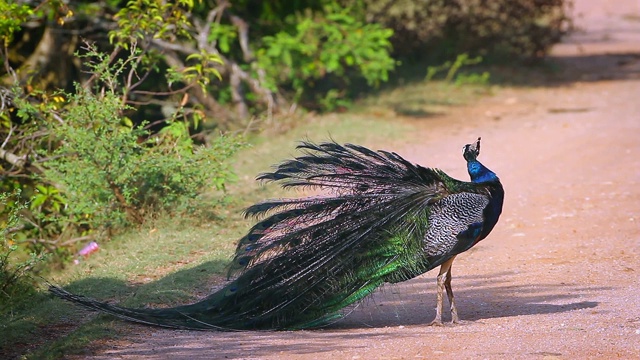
x: 243, y: 35
x: 41, y: 56
x: 237, y: 76
x: 21, y: 162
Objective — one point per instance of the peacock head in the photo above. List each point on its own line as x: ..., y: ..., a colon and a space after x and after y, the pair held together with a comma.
x: 471, y: 151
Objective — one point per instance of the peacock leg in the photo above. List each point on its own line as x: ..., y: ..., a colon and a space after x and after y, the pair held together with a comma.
x: 454, y: 310
x: 445, y: 270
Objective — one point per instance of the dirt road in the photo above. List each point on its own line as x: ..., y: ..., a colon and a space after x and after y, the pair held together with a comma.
x: 559, y: 276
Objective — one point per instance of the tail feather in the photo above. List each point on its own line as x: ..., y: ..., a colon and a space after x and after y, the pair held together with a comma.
x: 175, y: 318
x: 308, y: 258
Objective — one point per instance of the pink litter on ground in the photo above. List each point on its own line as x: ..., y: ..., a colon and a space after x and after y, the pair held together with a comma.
x: 89, y: 249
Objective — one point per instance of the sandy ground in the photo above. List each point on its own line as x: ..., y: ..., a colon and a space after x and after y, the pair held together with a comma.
x: 559, y: 276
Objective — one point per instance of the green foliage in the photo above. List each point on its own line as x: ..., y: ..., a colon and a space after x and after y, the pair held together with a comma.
x: 146, y: 19
x: 437, y: 29
x: 224, y: 35
x: 11, y: 17
x: 141, y: 23
x: 318, y: 54
x: 334, y: 44
x: 473, y: 79
x: 15, y: 270
x: 323, y: 45
x: 96, y: 170
x: 203, y: 69
x: 452, y: 69
x: 47, y: 195
x: 113, y: 175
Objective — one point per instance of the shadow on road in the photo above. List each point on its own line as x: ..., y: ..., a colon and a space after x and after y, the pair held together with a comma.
x: 381, y: 317
x: 491, y: 296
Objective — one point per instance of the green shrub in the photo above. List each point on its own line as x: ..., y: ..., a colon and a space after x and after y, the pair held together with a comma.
x: 15, y: 270
x: 114, y: 175
x: 453, y: 74
x: 92, y: 170
x: 333, y: 46
x: 440, y: 29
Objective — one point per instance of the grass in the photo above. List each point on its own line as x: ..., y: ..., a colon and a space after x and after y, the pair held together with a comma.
x: 420, y: 100
x: 175, y: 261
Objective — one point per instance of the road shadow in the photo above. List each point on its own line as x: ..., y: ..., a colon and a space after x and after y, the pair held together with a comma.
x: 409, y: 303
x: 477, y: 298
x: 406, y: 95
x: 397, y: 310
x: 179, y: 287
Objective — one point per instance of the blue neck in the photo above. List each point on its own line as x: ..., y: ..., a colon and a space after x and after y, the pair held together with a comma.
x: 479, y: 173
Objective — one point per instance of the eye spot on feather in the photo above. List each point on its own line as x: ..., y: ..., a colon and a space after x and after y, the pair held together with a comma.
x: 243, y: 261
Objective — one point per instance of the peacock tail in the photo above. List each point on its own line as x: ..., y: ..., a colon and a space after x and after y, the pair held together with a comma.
x: 383, y: 220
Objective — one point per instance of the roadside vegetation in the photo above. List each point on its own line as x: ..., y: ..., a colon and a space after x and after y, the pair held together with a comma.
x: 131, y: 131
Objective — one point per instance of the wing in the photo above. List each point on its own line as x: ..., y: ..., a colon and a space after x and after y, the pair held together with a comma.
x: 455, y: 223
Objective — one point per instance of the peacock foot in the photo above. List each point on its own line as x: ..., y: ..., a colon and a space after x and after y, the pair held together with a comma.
x: 439, y: 322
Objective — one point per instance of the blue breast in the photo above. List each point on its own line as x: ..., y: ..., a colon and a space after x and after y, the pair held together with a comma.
x: 480, y: 174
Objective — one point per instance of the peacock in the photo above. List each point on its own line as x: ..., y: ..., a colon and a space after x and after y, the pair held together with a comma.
x: 382, y: 220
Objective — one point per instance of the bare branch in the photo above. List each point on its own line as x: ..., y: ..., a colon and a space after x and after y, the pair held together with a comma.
x: 235, y: 82
x: 230, y: 68
x: 4, y: 143
x: 243, y: 33
x: 213, y: 16
x: 13, y: 159
x: 8, y: 68
x: 164, y: 93
x: 20, y: 162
